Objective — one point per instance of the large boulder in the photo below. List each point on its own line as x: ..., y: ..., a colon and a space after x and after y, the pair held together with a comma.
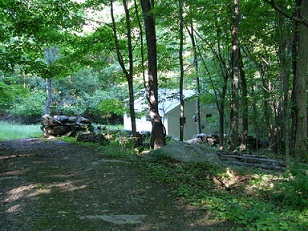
x: 184, y: 152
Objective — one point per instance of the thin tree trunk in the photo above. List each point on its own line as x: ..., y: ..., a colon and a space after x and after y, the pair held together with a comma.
x: 244, y: 104
x: 49, y: 96
x: 284, y: 76
x: 158, y: 134
x: 294, y: 67
x: 261, y: 131
x: 50, y: 55
x: 198, y: 110
x: 182, y: 116
x: 235, y: 77
x: 141, y: 44
x: 225, y: 73
x: 255, y: 116
x: 128, y: 73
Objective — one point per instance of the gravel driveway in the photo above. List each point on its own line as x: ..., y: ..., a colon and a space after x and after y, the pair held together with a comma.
x: 53, y: 185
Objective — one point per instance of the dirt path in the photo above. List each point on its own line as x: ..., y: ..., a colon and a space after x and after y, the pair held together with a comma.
x: 53, y: 185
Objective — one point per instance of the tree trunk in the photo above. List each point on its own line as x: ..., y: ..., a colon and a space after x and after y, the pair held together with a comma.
x: 294, y: 66
x: 50, y: 55
x: 49, y: 96
x: 128, y: 73
x: 158, y: 134
x: 244, y: 104
x: 284, y: 76
x: 193, y: 42
x: 235, y: 77
x: 182, y: 120
x: 300, y: 89
x: 141, y: 44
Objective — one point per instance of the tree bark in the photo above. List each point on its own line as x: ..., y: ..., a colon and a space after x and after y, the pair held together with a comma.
x: 181, y: 33
x: 50, y: 55
x: 300, y: 89
x: 284, y: 72
x: 128, y: 73
x: 158, y: 134
x: 235, y: 77
x: 49, y: 96
x: 244, y: 104
x: 193, y: 42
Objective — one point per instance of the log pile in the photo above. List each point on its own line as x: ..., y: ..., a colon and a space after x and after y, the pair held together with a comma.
x: 249, y: 160
x: 60, y: 125
x: 212, y: 140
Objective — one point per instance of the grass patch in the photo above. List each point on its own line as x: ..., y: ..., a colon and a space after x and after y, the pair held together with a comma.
x: 10, y: 131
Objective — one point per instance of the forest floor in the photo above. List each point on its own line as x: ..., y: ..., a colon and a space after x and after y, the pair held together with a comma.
x: 54, y: 185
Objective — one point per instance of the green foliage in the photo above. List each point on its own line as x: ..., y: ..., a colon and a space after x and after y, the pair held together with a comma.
x: 10, y: 89
x: 292, y: 190
x: 109, y: 106
x: 5, y: 93
x: 30, y: 105
x: 253, y: 201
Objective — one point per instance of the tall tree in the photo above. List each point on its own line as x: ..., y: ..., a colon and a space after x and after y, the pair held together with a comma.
x: 50, y: 56
x: 300, y: 94
x: 244, y: 105
x: 158, y: 134
x: 191, y: 33
x: 235, y: 76
x: 300, y: 70
x: 284, y: 73
x: 181, y: 33
x: 128, y: 73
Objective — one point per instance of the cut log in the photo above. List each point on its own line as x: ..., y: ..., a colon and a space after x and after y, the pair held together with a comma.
x: 254, y: 159
x: 251, y: 161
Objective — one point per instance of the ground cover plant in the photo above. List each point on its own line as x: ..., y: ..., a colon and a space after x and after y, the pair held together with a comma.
x: 252, y: 198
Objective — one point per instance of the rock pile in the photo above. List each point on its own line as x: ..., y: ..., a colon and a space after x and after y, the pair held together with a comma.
x: 60, y: 125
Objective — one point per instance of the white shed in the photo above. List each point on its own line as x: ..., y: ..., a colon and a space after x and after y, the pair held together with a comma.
x: 169, y: 110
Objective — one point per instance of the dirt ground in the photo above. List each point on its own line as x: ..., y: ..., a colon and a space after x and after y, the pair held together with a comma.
x: 53, y: 185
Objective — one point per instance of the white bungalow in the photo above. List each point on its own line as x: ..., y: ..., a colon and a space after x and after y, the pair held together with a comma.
x: 169, y: 110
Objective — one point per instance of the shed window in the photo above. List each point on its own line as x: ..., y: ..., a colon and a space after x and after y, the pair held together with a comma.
x: 208, y: 116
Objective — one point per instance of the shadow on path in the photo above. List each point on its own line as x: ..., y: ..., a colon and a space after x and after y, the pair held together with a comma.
x: 53, y: 185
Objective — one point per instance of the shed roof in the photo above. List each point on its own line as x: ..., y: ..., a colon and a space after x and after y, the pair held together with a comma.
x: 168, y: 100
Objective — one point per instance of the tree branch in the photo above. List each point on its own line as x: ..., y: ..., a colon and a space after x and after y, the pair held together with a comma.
x: 286, y: 14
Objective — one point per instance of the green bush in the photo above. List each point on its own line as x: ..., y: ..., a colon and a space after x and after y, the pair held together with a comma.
x: 292, y: 190
x: 30, y: 107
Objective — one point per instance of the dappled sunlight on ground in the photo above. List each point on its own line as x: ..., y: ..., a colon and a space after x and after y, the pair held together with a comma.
x: 18, y: 193
x: 66, y: 187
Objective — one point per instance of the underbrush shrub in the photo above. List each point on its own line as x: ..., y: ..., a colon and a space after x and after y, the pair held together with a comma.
x: 29, y: 109
x: 292, y: 190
